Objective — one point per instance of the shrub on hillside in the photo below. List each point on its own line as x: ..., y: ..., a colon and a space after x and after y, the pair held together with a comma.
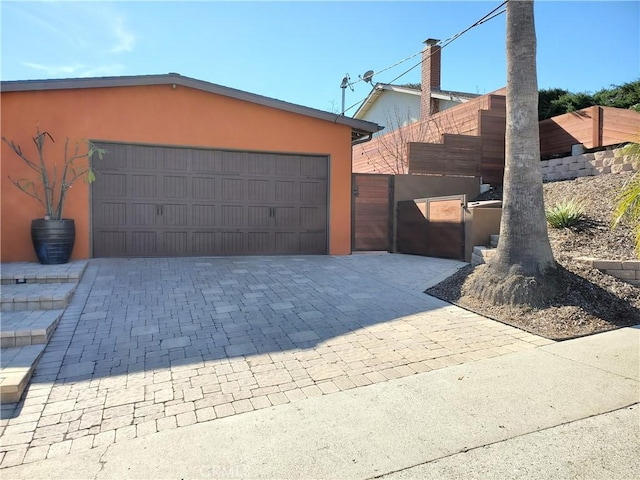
x: 565, y: 214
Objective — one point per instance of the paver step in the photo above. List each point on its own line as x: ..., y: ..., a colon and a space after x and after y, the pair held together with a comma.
x: 494, y: 240
x: 30, y: 272
x: 21, y: 328
x: 481, y: 254
x: 36, y: 296
x: 16, y: 367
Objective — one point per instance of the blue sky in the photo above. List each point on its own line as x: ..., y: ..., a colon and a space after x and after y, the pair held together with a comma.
x: 299, y: 51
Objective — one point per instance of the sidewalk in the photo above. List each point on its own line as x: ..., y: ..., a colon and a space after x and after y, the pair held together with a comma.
x: 540, y: 413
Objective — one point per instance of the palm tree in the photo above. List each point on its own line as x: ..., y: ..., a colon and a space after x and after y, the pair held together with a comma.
x: 523, y: 269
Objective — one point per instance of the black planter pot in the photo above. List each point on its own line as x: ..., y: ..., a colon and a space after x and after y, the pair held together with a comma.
x: 53, y: 240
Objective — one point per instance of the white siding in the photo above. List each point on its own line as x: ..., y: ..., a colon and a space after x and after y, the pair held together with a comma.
x: 394, y: 109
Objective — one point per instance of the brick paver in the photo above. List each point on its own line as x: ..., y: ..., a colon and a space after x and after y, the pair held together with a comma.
x: 153, y: 344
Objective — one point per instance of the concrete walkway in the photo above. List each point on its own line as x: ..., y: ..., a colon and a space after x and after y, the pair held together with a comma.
x: 567, y: 410
x: 149, y: 345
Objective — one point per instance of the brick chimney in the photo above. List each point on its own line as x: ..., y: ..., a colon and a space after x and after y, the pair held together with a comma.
x: 430, y: 77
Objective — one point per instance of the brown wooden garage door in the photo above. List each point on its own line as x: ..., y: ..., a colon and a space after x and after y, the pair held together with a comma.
x: 168, y: 201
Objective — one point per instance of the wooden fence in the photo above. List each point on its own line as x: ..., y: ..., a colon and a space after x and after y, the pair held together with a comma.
x: 592, y: 127
x: 388, y: 153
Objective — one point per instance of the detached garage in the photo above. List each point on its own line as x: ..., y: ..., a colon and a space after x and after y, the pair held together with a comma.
x: 192, y: 168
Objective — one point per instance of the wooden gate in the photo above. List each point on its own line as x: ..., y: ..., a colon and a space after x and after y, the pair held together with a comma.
x: 372, y: 207
x: 432, y: 227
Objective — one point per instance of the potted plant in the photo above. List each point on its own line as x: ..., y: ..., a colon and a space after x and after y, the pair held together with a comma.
x: 53, y: 235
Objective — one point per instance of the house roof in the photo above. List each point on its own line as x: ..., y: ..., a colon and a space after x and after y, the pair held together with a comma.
x: 379, y: 88
x: 359, y: 128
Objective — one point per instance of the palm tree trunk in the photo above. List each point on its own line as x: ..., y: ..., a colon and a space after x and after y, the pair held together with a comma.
x: 522, y: 270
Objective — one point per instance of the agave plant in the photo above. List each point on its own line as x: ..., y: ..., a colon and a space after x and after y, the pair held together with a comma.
x: 628, y: 200
x: 52, y: 183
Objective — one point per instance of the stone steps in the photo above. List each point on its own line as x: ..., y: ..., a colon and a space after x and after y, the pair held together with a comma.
x: 481, y: 254
x: 494, y: 240
x: 22, y: 328
x: 16, y: 367
x: 32, y: 301
x: 36, y: 296
x: 27, y: 272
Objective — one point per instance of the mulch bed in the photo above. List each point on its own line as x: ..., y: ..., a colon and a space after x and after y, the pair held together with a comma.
x: 591, y: 301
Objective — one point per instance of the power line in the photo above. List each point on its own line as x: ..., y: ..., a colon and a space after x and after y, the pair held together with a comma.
x: 489, y: 16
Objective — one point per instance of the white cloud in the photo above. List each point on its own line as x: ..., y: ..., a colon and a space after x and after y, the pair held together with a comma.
x: 79, y: 70
x: 54, y: 70
x: 102, y: 71
x: 124, y: 38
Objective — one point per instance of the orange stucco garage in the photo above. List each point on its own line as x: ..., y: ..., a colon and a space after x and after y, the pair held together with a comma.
x: 185, y: 138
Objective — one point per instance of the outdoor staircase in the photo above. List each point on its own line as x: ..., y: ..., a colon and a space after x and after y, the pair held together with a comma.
x: 33, y: 298
x: 481, y: 253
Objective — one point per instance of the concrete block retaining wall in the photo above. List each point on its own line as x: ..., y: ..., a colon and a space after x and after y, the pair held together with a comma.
x: 625, y: 270
x: 589, y: 164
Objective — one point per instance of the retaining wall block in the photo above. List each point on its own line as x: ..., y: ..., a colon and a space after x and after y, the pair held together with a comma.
x: 575, y: 166
x: 607, y: 264
x: 631, y: 265
x: 622, y: 274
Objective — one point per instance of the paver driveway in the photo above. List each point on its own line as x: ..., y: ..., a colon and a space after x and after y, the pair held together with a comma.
x: 154, y: 344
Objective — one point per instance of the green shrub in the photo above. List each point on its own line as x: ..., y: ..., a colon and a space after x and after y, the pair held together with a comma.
x: 565, y: 214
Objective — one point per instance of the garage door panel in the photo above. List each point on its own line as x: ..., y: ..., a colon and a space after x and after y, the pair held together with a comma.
x: 260, y: 164
x: 231, y: 243
x: 144, y: 214
x: 205, y: 161
x: 287, y: 166
x: 110, y: 185
x: 287, y: 191
x: 260, y: 190
x: 312, y: 192
x: 144, y: 186
x: 110, y: 244
x: 179, y: 160
x: 175, y: 243
x: 287, y: 242
x: 259, y: 242
x: 170, y: 201
x: 232, y: 216
x: 203, y: 243
x: 141, y: 158
x: 311, y: 168
x: 231, y: 163
x: 175, y: 187
x: 143, y: 243
x: 203, y: 215
x: 204, y: 188
x: 312, y: 218
x: 233, y: 189
x: 258, y: 216
x: 313, y: 243
x: 287, y: 217
x: 175, y: 215
x: 113, y: 214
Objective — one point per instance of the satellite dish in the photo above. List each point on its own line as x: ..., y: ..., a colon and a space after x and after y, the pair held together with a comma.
x: 367, y: 76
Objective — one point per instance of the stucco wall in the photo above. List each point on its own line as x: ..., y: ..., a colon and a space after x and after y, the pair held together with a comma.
x: 157, y: 115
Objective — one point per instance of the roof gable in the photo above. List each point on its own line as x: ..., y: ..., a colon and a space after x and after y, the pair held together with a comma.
x: 360, y: 128
x: 380, y: 88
